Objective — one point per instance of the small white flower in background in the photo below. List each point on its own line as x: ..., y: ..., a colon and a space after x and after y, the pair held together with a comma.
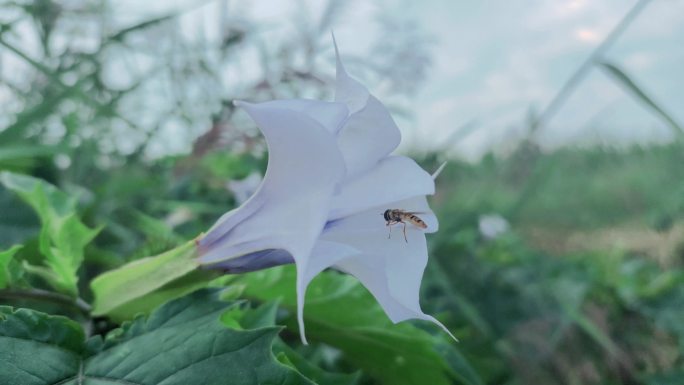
x: 329, y: 179
x: 178, y: 217
x: 492, y: 226
x: 242, y: 189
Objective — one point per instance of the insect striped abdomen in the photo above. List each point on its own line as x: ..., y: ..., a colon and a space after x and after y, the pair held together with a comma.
x: 416, y: 221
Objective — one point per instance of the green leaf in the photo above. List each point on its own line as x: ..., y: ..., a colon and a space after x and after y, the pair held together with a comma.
x: 181, y: 343
x: 62, y: 243
x: 259, y: 317
x: 265, y: 316
x: 313, y: 372
x: 341, y: 313
x: 465, y: 373
x: 44, y: 198
x: 5, y: 258
x: 38, y: 349
x: 149, y: 282
x: 63, y: 236
x: 624, y: 80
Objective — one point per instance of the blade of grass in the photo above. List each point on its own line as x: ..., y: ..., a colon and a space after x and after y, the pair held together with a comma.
x: 121, y: 34
x: 638, y: 93
x: 579, y: 74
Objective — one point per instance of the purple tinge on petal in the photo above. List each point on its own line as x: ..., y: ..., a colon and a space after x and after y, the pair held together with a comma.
x: 254, y: 261
x: 290, y: 207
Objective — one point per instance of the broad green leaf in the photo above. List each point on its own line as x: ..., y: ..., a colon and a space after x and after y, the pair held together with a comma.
x: 341, y: 313
x: 5, y: 258
x: 465, y: 373
x: 38, y: 349
x: 313, y: 372
x: 265, y: 316
x: 146, y: 283
x: 17, y: 224
x: 62, y: 243
x: 63, y: 236
x: 624, y: 80
x: 44, y: 198
x: 259, y: 317
x: 181, y: 343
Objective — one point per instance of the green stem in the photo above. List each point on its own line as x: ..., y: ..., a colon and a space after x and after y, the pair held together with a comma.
x: 47, y: 296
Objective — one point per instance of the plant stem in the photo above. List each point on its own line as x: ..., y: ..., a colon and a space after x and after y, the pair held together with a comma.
x: 47, y: 296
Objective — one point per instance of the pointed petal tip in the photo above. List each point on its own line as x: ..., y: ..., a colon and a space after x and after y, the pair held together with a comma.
x: 340, y: 70
x: 337, y: 51
x: 451, y: 335
x: 338, y: 60
x: 441, y: 325
x: 439, y: 170
x: 301, y: 295
x: 303, y: 339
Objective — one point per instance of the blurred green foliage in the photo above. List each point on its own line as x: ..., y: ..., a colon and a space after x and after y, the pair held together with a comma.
x: 527, y: 308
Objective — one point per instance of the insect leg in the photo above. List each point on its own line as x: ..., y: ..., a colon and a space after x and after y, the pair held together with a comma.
x: 406, y: 239
x: 390, y: 230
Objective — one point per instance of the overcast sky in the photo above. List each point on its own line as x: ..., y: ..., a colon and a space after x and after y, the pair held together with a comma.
x: 493, y: 61
x: 496, y: 59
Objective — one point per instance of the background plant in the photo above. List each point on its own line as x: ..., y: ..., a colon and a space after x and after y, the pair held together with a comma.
x: 89, y: 185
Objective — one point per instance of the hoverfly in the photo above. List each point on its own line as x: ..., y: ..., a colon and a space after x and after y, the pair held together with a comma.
x: 396, y: 216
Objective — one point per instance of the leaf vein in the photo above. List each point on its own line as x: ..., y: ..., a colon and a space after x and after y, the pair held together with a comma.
x: 209, y: 357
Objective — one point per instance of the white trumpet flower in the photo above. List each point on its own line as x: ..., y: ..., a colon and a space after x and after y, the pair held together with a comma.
x: 330, y: 177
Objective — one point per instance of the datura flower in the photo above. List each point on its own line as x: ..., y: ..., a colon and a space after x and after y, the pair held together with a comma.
x: 330, y: 178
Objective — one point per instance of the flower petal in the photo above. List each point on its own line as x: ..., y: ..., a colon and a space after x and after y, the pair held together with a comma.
x: 347, y: 89
x: 330, y: 115
x: 391, y: 269
x: 372, y: 219
x: 394, y: 178
x: 324, y: 255
x: 368, y: 136
x: 370, y: 132
x: 290, y: 207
